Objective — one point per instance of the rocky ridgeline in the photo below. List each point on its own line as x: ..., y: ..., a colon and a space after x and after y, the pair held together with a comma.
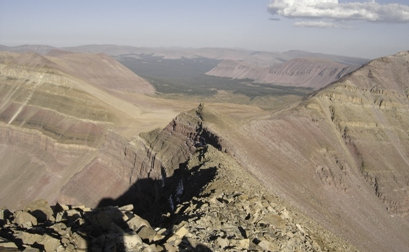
x: 231, y: 212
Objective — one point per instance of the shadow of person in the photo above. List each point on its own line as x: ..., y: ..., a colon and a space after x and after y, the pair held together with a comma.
x: 118, y: 224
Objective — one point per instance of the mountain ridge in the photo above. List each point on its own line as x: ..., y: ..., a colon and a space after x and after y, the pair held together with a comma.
x: 339, y: 156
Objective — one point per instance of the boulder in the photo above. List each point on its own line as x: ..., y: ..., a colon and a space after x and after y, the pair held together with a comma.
x: 131, y: 242
x: 8, y: 245
x: 61, y: 207
x: 24, y: 219
x: 147, y: 233
x: 50, y: 243
x: 61, y: 229
x: 136, y: 223
x: 27, y: 238
x: 41, y: 210
x: 79, y: 242
x: 181, y: 232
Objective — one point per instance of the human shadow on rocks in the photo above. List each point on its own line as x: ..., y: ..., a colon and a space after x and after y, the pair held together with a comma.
x: 119, y: 224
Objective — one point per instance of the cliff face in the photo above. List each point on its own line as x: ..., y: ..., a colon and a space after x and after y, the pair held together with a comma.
x: 342, y: 155
x: 299, y: 72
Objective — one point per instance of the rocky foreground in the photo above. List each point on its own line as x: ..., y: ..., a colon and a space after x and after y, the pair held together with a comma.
x: 231, y: 212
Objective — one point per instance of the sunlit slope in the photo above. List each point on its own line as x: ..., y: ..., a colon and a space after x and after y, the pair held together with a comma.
x: 342, y: 155
x: 53, y: 124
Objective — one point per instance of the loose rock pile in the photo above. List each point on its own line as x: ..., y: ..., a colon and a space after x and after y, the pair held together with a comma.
x: 232, y: 212
x: 40, y: 227
x: 235, y: 213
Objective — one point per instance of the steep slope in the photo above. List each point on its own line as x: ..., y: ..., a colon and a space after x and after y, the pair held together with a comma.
x: 342, y: 155
x: 301, y: 72
x: 53, y: 125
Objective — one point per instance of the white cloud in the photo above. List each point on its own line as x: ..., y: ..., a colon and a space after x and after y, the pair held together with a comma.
x: 333, y: 10
x: 320, y: 24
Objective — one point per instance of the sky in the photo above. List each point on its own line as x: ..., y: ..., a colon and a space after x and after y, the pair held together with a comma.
x: 367, y: 29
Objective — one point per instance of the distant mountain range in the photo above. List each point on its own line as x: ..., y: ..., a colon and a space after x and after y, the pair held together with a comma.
x: 291, y: 68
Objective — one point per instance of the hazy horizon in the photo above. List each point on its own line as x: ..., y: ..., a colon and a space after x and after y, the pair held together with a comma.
x: 366, y: 29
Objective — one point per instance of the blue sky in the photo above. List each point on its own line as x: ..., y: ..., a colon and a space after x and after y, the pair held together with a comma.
x: 246, y: 24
